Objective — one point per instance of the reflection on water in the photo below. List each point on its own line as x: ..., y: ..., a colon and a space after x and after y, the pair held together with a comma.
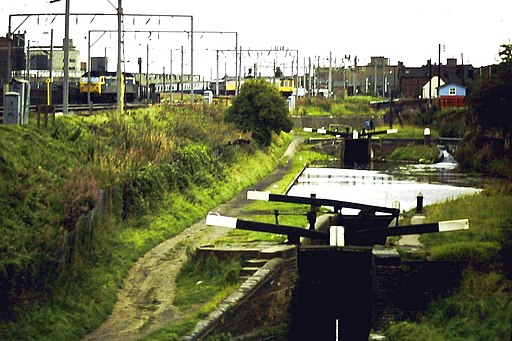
x: 386, y: 183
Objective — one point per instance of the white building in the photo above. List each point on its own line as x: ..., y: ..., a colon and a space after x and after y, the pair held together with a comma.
x: 42, y: 58
x: 431, y: 88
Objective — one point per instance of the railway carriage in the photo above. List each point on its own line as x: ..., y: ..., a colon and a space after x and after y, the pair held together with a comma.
x: 103, y: 86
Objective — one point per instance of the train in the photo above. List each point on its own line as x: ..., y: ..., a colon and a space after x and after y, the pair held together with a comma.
x: 102, y: 86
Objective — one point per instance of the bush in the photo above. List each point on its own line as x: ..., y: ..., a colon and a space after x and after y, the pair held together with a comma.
x: 261, y: 110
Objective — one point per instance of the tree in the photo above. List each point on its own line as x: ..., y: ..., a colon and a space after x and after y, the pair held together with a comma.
x: 492, y: 100
x: 278, y: 73
x: 260, y: 109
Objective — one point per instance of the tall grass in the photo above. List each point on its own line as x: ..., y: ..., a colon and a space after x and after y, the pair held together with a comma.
x: 202, y: 277
x: 489, y: 217
x: 355, y: 105
x: 263, y: 211
x: 59, y: 280
x: 481, y: 309
x: 415, y: 153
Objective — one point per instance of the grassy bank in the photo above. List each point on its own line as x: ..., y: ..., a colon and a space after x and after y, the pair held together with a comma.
x: 316, y: 106
x: 220, y: 275
x: 415, y: 153
x: 157, y: 171
x: 481, y: 309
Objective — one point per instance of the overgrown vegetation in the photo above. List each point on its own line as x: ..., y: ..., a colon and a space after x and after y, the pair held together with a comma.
x: 84, y: 200
x: 353, y: 105
x: 203, y: 277
x: 487, y: 146
x: 416, y: 153
x: 488, y: 238
x: 261, y: 110
x: 481, y: 309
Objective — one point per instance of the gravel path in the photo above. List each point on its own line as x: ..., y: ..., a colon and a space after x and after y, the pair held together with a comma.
x: 145, y: 302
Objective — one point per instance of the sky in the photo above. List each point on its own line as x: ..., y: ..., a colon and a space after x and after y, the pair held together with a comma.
x: 406, y: 31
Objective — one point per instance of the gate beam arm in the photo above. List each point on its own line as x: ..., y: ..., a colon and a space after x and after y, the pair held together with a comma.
x: 347, y: 135
x: 441, y: 226
x: 293, y: 232
x: 337, y: 204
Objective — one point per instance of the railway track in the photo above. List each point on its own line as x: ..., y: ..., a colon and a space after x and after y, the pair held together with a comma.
x: 84, y: 109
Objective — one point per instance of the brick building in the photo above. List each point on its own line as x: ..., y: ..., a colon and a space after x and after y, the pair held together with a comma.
x: 413, y: 79
x: 18, y: 58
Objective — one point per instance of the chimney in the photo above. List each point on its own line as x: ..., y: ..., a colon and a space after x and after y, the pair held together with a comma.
x: 451, y: 62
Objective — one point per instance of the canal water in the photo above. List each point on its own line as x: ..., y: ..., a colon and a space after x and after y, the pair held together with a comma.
x: 388, y: 184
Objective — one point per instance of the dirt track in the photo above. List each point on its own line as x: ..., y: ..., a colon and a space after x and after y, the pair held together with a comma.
x: 145, y: 303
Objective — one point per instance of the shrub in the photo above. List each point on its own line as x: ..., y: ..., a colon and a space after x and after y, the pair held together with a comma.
x: 261, y: 110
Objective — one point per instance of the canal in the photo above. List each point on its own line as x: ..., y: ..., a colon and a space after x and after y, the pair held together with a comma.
x: 388, y: 183
x: 339, y: 288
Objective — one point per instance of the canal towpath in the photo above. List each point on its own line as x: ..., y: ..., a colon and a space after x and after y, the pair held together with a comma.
x: 145, y: 301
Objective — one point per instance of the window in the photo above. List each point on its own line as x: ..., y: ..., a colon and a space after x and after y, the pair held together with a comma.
x: 452, y: 91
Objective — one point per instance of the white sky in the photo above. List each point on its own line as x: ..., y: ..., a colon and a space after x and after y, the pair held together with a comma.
x: 407, y: 31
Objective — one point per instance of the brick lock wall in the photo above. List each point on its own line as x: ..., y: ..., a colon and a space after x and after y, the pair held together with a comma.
x: 404, y: 289
x: 267, y: 305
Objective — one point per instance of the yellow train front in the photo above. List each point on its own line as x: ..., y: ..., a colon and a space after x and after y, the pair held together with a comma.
x: 286, y: 86
x: 102, y: 87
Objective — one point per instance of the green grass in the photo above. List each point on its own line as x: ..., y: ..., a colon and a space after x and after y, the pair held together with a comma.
x: 65, y: 301
x: 354, y: 105
x: 481, y: 309
x: 203, y: 277
x: 406, y: 132
x: 263, y: 211
x: 203, y: 282
x: 490, y: 219
x: 415, y: 153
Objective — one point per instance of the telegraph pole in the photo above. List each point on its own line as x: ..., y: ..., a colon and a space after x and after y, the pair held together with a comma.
x: 51, y: 66
x: 192, y: 60
x: 375, y: 78
x: 147, y: 73
x: 217, y: 78
x: 181, y: 78
x: 439, y: 71
x: 330, y: 75
x: 120, y: 80
x: 170, y: 80
x: 65, y: 86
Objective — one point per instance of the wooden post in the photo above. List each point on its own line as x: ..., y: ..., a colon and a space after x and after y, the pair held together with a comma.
x: 45, y: 110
